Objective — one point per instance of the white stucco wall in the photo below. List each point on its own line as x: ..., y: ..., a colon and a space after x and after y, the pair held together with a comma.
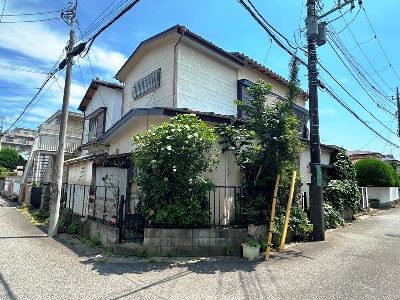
x: 205, y: 83
x: 384, y: 194
x: 104, y: 97
x: 124, y: 144
x: 158, y: 57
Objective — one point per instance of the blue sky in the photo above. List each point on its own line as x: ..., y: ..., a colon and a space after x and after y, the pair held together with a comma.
x: 37, y: 46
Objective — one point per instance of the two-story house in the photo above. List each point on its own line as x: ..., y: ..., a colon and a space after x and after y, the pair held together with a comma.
x: 173, y: 72
x: 40, y: 167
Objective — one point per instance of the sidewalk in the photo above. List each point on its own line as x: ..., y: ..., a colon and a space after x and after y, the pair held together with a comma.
x: 98, y: 254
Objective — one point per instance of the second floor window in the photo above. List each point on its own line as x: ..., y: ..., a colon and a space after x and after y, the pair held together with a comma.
x: 22, y: 141
x: 96, y: 124
x: 9, y: 139
x: 146, y: 84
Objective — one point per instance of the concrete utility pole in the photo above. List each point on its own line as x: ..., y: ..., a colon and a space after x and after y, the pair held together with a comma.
x: 315, y: 150
x: 398, y: 110
x: 56, y: 195
x: 316, y: 36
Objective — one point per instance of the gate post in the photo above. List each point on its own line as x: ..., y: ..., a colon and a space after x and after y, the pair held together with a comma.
x: 121, y: 217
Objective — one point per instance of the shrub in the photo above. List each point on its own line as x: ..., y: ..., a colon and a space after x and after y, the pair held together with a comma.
x: 342, y: 193
x: 73, y: 228
x: 168, y: 162
x: 342, y: 190
x: 332, y: 216
x: 371, y: 171
x: 41, y: 216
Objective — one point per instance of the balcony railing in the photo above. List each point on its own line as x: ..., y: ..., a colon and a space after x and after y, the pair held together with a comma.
x: 47, y: 138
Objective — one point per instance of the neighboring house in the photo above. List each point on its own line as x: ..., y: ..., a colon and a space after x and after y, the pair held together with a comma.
x: 359, y: 154
x: 102, y: 108
x: 41, y: 164
x: 173, y: 72
x: 20, y: 139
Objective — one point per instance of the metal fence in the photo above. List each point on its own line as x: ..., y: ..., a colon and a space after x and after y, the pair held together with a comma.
x: 229, y: 205
x: 99, y: 203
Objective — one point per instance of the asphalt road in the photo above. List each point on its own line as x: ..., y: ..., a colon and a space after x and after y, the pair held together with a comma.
x: 359, y: 261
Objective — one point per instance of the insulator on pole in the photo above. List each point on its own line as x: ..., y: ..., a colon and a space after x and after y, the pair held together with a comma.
x: 321, y: 38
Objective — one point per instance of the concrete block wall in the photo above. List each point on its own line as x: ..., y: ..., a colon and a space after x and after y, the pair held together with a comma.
x: 197, y: 241
x: 107, y: 235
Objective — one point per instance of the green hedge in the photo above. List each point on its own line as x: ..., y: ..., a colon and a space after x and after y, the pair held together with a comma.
x: 371, y: 171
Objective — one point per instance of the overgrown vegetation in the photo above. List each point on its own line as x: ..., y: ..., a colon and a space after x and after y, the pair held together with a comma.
x: 371, y: 171
x: 342, y: 191
x: 265, y: 145
x: 40, y: 217
x: 168, y: 162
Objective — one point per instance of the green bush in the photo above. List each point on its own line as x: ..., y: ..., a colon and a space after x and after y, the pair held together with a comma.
x: 41, y: 216
x: 73, y: 228
x: 169, y: 161
x: 342, y: 190
x: 371, y: 171
x: 343, y: 194
x: 332, y: 216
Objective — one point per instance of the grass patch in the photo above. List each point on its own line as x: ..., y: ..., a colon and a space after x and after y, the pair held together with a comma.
x: 91, y: 242
x: 109, y: 251
x: 40, y: 217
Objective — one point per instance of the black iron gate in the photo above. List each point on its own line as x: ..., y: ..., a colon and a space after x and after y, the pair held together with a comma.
x: 131, y: 225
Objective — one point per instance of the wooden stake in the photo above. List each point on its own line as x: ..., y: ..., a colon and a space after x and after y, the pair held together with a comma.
x: 289, y: 206
x: 271, y: 222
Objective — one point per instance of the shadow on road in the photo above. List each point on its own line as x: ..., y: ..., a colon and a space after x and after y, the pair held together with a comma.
x: 6, y: 289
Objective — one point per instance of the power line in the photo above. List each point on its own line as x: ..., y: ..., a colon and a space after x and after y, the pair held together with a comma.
x: 304, y: 63
x: 2, y: 11
x: 32, y: 14
x: 29, y: 21
x: 21, y: 69
x: 380, y: 45
x: 31, y: 101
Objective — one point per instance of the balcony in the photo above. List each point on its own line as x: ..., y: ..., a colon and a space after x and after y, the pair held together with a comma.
x: 47, y: 139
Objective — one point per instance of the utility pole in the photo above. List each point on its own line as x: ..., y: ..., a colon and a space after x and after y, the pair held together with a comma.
x: 56, y: 194
x: 316, y: 36
x: 315, y: 149
x: 398, y: 110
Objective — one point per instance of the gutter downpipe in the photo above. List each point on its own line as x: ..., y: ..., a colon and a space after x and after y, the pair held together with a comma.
x: 182, y: 30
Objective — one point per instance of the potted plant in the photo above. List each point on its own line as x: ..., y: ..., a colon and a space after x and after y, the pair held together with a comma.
x: 251, y: 249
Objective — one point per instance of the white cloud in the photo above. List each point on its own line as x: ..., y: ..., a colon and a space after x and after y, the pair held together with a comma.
x: 34, y: 41
x: 106, y: 59
x: 327, y: 112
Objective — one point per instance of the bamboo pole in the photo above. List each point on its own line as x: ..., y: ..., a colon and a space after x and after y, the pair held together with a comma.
x: 271, y: 223
x: 289, y: 206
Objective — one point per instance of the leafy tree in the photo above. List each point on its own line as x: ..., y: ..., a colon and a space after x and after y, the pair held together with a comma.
x: 371, y: 171
x: 168, y: 162
x: 267, y: 144
x: 9, y: 158
x: 268, y: 141
x: 342, y: 191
